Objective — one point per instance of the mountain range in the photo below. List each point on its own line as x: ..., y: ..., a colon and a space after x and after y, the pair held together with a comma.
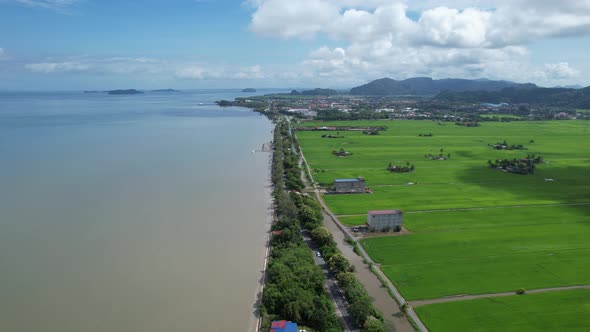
x: 426, y: 86
x: 556, y: 97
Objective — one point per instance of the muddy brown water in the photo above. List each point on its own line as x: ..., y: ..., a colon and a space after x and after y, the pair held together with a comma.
x: 122, y: 216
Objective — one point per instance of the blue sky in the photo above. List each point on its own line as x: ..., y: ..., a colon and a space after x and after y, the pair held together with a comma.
x: 92, y: 44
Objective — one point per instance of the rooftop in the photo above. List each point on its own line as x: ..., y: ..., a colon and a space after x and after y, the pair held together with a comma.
x: 283, y: 326
x: 382, y: 212
x: 349, y: 180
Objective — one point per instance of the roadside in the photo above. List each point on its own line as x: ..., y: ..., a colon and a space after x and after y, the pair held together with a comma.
x: 332, y: 286
x: 392, y: 314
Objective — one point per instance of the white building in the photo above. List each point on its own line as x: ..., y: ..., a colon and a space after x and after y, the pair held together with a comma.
x: 385, y: 220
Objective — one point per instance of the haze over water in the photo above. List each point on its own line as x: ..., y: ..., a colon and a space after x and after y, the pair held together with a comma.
x: 130, y: 213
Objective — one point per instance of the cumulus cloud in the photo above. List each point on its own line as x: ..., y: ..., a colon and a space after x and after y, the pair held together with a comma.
x: 302, y: 18
x: 484, y: 38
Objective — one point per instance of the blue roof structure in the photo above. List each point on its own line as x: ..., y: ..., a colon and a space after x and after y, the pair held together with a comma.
x: 283, y: 326
x: 347, y: 180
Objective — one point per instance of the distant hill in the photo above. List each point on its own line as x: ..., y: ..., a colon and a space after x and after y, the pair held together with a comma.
x: 575, y: 86
x: 562, y: 97
x: 315, y: 92
x: 249, y: 90
x: 124, y: 92
x: 425, y: 86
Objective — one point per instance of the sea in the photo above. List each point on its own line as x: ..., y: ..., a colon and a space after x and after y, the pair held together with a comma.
x: 125, y: 213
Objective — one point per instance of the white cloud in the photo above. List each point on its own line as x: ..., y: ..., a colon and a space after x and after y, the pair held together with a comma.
x: 150, y: 67
x: 556, y: 72
x: 302, y: 18
x: 484, y: 38
x: 58, y: 5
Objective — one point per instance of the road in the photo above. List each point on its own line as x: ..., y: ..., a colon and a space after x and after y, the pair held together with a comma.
x: 394, y: 318
x: 332, y: 287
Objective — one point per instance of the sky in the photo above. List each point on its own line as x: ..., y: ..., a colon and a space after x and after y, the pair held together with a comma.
x: 185, y: 44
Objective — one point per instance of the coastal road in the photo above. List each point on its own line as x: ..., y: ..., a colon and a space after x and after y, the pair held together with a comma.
x: 332, y: 286
x: 395, y: 319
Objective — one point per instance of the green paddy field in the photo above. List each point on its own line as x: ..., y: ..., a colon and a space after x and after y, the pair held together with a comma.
x: 473, y: 230
x: 555, y: 311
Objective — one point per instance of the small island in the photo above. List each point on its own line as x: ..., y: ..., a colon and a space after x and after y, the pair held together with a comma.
x: 165, y: 90
x: 249, y: 90
x: 124, y: 92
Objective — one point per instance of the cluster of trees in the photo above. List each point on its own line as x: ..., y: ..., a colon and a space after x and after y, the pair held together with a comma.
x: 500, y: 119
x: 401, y: 169
x: 294, y: 288
x: 341, y: 153
x: 517, y: 166
x: 440, y: 155
x: 360, y: 114
x: 360, y: 307
x: 468, y: 123
x: 425, y: 135
x: 288, y: 162
x: 504, y: 146
x: 295, y: 284
x: 315, y: 92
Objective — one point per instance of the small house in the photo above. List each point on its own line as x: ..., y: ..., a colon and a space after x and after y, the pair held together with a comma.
x: 356, y: 185
x: 384, y: 220
x: 283, y: 326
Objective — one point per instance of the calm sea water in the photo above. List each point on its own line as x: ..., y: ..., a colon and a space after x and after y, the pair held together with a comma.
x: 130, y: 213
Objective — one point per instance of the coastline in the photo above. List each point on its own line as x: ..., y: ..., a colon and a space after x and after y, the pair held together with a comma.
x: 256, y: 322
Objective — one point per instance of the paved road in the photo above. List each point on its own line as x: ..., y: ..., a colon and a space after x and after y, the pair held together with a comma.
x: 332, y: 286
x: 481, y: 296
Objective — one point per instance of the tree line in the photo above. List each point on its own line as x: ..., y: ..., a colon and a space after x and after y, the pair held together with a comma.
x: 295, y: 285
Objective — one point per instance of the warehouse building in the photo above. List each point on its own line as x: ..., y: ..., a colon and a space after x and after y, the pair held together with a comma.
x: 357, y: 185
x: 385, y: 220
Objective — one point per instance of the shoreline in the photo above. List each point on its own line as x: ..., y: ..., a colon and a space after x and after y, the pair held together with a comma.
x: 256, y: 323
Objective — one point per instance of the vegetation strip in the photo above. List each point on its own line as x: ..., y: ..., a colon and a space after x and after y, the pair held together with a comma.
x: 295, y: 284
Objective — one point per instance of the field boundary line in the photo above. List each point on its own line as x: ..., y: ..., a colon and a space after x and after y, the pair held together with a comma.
x: 456, y: 298
x: 479, y: 208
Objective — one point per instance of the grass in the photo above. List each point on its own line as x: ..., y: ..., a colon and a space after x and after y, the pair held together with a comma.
x: 555, y: 311
x: 474, y: 230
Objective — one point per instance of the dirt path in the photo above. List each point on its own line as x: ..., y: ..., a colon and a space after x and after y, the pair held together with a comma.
x: 481, y: 296
x: 480, y: 208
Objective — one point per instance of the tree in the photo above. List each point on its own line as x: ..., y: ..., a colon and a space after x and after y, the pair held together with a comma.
x: 321, y: 236
x: 339, y: 264
x: 346, y: 279
x: 372, y: 324
x: 361, y: 310
x: 308, y: 217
